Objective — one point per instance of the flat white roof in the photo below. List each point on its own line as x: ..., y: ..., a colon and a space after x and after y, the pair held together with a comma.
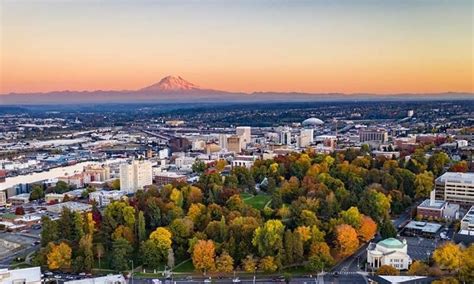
x: 423, y: 226
x: 457, y: 177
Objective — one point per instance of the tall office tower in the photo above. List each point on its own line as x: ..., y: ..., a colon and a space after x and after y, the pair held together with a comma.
x: 306, y: 138
x: 244, y: 132
x: 285, y: 137
x: 373, y: 134
x: 223, y: 141
x: 234, y: 144
x: 135, y: 175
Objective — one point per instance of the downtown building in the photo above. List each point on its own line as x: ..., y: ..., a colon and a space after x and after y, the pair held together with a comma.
x: 455, y: 188
x: 135, y: 175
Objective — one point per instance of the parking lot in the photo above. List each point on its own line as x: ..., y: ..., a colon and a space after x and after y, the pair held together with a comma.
x: 420, y: 248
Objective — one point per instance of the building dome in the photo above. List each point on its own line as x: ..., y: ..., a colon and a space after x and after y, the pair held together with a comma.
x: 312, y: 122
x: 391, y: 243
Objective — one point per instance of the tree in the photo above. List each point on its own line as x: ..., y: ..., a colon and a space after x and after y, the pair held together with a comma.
x: 220, y: 165
x: 116, y: 184
x: 59, y: 256
x: 437, y: 162
x: 466, y: 272
x: 204, y: 253
x: 387, y: 230
x: 268, y: 264
x: 448, y: 256
x: 367, y: 228
x: 249, y: 264
x: 19, y: 210
x: 423, y: 184
x: 418, y: 268
x: 460, y: 167
x: 319, y: 256
x: 374, y: 204
x: 121, y: 250
x: 99, y: 252
x: 85, y: 251
x: 446, y: 280
x: 37, y: 192
x: 225, y: 263
x: 387, y: 270
x: 269, y: 238
x: 141, y: 230
x: 346, y: 239
x: 351, y: 217
x: 49, y: 232
x: 61, y: 187
x: 199, y: 167
x: 177, y: 197
x: 155, y: 249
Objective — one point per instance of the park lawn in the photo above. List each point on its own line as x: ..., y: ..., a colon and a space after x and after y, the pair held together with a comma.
x: 186, y: 266
x: 245, y: 195
x: 256, y: 201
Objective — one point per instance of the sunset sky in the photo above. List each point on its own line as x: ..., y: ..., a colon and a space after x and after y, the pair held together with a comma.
x: 255, y: 45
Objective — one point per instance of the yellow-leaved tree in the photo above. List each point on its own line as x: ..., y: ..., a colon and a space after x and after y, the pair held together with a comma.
x: 59, y: 256
x: 204, y: 254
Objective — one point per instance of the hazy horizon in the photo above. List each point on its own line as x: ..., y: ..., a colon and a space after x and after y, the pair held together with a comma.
x: 377, y: 47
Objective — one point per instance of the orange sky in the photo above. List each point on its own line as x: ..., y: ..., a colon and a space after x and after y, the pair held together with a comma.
x: 308, y: 46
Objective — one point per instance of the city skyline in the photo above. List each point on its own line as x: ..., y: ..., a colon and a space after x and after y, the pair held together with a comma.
x: 315, y: 47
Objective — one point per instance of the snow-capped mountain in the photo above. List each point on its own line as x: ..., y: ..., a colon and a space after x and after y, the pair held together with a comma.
x: 172, y: 83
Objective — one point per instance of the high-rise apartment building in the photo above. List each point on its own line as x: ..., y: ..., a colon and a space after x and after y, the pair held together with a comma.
x: 306, y: 138
x: 234, y: 144
x: 135, y: 175
x: 245, y: 134
x: 223, y: 141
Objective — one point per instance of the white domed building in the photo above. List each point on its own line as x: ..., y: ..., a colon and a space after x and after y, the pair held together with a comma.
x: 389, y: 252
x: 312, y: 122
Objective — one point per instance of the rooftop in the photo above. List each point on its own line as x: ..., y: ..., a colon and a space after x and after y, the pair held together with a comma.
x: 437, y: 204
x: 457, y: 177
x: 391, y: 243
x: 423, y: 226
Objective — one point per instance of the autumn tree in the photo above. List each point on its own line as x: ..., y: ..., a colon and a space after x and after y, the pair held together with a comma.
x: 346, y: 239
x: 466, y: 272
x: 85, y: 259
x: 387, y: 270
x: 155, y: 249
x: 225, y: 263
x: 367, y: 228
x: 249, y: 264
x: 448, y: 256
x: 203, y: 256
x: 268, y: 239
x: 59, y: 256
x: 268, y: 264
x: 375, y: 204
x: 418, y: 268
x: 424, y: 184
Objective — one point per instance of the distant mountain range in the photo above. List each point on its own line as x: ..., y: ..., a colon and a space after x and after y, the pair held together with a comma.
x: 177, y: 89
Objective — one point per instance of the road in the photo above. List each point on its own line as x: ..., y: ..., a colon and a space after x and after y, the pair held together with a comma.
x: 327, y: 278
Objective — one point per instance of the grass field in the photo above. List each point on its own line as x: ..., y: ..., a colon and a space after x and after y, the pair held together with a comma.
x: 186, y: 266
x: 256, y: 201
